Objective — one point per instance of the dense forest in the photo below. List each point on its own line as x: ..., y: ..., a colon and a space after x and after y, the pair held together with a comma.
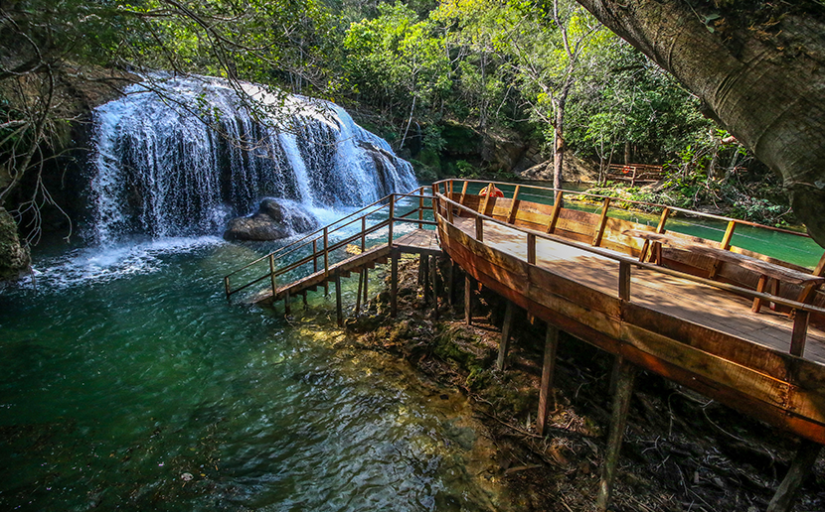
x: 458, y: 87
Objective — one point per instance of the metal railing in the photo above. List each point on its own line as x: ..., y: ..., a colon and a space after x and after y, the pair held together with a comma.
x: 277, y: 263
x: 446, y: 206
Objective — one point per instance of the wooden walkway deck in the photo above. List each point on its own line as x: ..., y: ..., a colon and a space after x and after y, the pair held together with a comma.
x: 680, y: 298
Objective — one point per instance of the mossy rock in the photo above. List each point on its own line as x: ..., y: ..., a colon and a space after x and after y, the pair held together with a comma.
x: 14, y: 256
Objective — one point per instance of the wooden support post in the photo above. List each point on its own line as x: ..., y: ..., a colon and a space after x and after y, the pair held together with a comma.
x: 339, y: 307
x: 227, y: 288
x: 358, y: 295
x: 392, y: 219
x: 801, y: 465
x: 468, y: 299
x: 434, y: 279
x: 272, y: 276
x: 287, y: 309
x: 774, y: 292
x: 394, y: 284
x: 557, y: 206
x: 511, y: 216
x: 551, y: 342
x: 503, y: 346
x: 424, y: 272
x: 479, y: 229
x: 421, y: 208
x: 421, y: 267
x: 451, y: 283
x: 366, y: 284
x: 306, y: 302
x: 624, y: 281
x: 531, y: 248
x: 463, y: 192
x: 626, y: 374
x: 450, y: 213
x: 800, y: 332
x: 602, y: 223
x: 760, y: 287
x: 725, y: 246
x: 363, y: 234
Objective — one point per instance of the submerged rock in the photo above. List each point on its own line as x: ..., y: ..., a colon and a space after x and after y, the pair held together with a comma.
x: 14, y: 256
x: 275, y: 219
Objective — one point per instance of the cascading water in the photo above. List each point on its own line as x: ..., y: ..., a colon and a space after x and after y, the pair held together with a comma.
x: 162, y: 170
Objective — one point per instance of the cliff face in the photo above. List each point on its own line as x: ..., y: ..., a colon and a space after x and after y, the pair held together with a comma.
x: 14, y: 256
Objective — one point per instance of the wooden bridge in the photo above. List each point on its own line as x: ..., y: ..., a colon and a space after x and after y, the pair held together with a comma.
x: 635, y: 173
x: 740, y: 327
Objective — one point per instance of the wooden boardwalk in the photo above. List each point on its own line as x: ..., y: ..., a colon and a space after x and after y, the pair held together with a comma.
x: 680, y: 298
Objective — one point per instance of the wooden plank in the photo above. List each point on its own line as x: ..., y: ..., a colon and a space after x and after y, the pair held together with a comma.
x: 551, y: 342
x: 757, y: 302
x: 624, y: 281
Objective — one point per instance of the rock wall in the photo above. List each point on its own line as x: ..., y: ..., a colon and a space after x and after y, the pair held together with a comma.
x: 14, y: 256
x: 576, y: 170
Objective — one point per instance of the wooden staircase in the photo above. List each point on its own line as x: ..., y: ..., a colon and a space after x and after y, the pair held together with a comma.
x: 280, y: 272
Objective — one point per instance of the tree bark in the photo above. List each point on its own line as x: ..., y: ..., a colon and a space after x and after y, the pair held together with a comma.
x: 764, y: 81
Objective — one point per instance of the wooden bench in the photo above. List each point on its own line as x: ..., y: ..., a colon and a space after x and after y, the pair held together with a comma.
x: 703, y: 247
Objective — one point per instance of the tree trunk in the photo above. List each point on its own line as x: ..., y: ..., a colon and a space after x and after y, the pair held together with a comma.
x: 763, y: 79
x: 558, y: 135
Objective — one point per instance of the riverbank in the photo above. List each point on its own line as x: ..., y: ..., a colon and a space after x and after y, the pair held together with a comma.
x: 681, y: 451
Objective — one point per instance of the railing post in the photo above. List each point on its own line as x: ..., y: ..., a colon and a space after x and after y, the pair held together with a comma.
x: 531, y: 248
x: 511, y: 216
x: 392, y: 218
x: 272, y: 275
x: 724, y: 245
x: 226, y: 286
x: 800, y: 332
x: 315, y: 256
x: 602, y: 223
x: 624, y: 281
x: 421, y: 207
x: 326, y: 251
x: 557, y: 206
x: 463, y: 192
x: 479, y: 228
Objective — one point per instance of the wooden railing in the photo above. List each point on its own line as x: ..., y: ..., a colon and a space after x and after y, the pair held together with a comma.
x: 279, y: 264
x: 447, y: 208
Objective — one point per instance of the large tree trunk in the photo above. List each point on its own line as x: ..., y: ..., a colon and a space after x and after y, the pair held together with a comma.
x: 761, y: 75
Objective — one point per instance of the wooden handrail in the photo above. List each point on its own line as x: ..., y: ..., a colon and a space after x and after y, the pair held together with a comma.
x: 323, y: 233
x: 630, y: 201
x: 632, y: 261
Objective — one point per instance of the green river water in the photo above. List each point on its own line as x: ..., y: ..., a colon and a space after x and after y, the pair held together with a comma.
x: 126, y: 373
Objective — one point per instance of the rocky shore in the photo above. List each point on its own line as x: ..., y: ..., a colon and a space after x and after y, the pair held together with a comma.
x: 682, y: 451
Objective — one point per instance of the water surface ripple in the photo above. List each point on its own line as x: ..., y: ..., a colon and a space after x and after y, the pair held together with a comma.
x: 124, y: 374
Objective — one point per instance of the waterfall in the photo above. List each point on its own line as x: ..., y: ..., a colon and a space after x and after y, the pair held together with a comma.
x: 183, y: 162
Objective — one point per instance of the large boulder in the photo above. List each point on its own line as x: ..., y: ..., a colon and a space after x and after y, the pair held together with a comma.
x: 576, y: 170
x: 275, y: 219
x: 14, y: 256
